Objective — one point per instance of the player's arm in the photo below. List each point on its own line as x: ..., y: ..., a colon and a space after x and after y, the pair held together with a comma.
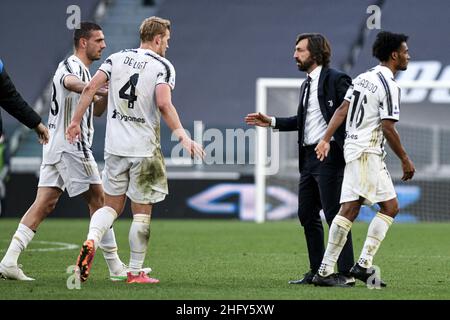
x: 89, y: 91
x: 336, y: 121
x: 74, y: 84
x: 393, y: 138
x: 170, y: 115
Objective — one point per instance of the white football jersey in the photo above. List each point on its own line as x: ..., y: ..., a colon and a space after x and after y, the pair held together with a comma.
x: 63, y: 106
x: 133, y: 125
x: 374, y: 96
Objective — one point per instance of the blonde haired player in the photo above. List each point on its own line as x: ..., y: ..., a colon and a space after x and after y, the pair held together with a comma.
x: 140, y: 85
x: 64, y: 165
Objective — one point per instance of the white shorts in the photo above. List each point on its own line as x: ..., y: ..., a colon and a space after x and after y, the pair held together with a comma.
x: 143, y: 180
x: 72, y: 172
x: 367, y: 177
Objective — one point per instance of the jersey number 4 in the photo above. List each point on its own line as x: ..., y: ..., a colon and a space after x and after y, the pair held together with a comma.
x: 357, y: 105
x: 131, y: 84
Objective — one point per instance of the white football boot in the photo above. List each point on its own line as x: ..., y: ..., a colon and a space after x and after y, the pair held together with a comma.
x: 13, y: 273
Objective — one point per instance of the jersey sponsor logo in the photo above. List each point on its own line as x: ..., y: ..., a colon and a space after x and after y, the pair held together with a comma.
x: 351, y: 136
x: 122, y: 117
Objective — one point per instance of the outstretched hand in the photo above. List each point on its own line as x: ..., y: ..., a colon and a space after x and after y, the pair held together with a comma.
x: 322, y: 150
x: 258, y: 119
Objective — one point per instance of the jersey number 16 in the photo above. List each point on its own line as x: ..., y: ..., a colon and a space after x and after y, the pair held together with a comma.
x: 357, y: 105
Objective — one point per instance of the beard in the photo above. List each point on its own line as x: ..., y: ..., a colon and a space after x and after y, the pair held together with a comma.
x: 94, y: 56
x: 403, y: 67
x: 305, y: 65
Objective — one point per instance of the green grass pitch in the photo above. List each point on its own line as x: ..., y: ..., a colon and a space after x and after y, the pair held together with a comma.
x: 220, y: 260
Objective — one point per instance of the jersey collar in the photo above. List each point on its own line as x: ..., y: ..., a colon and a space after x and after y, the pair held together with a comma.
x: 386, y: 71
x: 78, y: 60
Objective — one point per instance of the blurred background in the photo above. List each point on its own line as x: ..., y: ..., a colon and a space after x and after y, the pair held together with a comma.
x: 219, y: 49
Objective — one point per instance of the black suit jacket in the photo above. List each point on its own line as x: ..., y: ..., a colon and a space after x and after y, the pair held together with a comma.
x: 333, y: 85
x: 13, y: 103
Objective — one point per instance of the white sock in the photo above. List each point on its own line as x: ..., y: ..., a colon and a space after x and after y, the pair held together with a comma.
x: 375, y: 234
x: 101, y: 221
x: 138, y: 237
x: 19, y: 242
x: 109, y: 246
x: 336, y: 240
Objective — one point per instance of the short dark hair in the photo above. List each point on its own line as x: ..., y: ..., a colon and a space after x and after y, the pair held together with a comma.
x: 386, y: 43
x: 84, y: 32
x: 319, y: 47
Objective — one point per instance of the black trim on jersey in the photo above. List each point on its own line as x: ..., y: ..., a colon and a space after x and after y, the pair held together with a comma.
x: 165, y: 65
x: 388, y: 92
x: 85, y: 150
x: 89, y: 118
x: 61, y: 80
x: 67, y: 65
x: 108, y: 74
x: 129, y: 50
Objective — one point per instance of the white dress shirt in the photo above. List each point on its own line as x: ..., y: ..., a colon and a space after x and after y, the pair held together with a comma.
x: 315, y: 124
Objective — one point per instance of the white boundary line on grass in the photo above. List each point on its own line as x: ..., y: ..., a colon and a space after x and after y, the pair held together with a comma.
x: 62, y: 246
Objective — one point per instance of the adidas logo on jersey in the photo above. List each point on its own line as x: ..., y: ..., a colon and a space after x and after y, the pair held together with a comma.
x: 122, y: 117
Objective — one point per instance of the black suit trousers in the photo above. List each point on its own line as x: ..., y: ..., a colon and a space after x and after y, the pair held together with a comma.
x: 320, y: 188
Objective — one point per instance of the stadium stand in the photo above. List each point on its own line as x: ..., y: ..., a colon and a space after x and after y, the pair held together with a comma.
x: 34, y: 39
x: 221, y: 47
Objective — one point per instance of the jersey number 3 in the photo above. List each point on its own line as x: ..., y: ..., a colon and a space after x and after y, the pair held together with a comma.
x: 55, y: 110
x: 131, y: 84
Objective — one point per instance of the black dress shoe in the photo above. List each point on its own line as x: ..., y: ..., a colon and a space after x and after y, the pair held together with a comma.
x: 347, y: 278
x: 364, y: 274
x: 307, y: 279
x: 333, y: 280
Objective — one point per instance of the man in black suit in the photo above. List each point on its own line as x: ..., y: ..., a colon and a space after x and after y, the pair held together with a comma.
x: 320, y: 182
x: 13, y: 103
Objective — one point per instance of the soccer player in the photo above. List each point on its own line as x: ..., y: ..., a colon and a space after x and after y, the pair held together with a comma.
x: 64, y: 165
x: 140, y: 84
x: 371, y: 107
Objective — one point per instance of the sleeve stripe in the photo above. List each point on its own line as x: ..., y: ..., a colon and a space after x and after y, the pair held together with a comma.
x: 1, y: 66
x: 388, y: 92
x: 165, y: 66
x: 105, y: 72
x: 66, y: 63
